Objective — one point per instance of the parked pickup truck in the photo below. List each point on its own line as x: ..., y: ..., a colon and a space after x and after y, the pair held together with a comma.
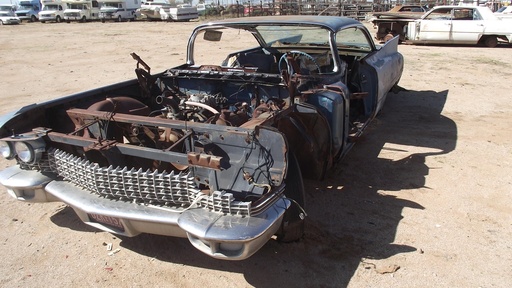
x: 459, y: 25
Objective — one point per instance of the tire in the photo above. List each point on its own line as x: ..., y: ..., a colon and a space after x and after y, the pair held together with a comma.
x: 58, y: 19
x: 43, y: 22
x: 102, y: 20
x: 1, y: 22
x: 33, y: 18
x: 491, y: 41
x: 119, y: 19
x: 292, y: 227
x: 84, y: 19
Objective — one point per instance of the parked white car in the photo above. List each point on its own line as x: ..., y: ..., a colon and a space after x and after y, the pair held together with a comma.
x: 183, y: 12
x: 152, y: 9
x: 459, y: 25
x: 504, y: 12
x: 7, y: 15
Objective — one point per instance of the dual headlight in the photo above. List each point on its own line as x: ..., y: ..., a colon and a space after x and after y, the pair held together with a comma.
x: 27, y: 151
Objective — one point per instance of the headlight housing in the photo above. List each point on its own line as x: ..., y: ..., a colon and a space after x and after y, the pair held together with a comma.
x: 30, y: 151
x: 6, y: 150
x: 27, y: 147
x: 24, y: 151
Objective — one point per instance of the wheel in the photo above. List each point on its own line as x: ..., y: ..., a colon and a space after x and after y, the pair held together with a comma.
x: 58, y: 19
x: 33, y: 18
x: 119, y: 19
x: 102, y: 20
x: 292, y: 227
x: 290, y: 60
x: 1, y: 22
x: 491, y: 41
x: 84, y: 19
x: 43, y: 21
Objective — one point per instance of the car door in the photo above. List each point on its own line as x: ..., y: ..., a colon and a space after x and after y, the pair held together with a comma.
x: 436, y: 26
x: 378, y: 71
x: 467, y: 25
x: 388, y: 66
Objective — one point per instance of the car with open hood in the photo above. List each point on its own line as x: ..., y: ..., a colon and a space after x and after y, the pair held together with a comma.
x: 215, y: 149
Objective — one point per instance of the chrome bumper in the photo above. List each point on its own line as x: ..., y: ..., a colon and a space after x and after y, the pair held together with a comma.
x: 217, y: 235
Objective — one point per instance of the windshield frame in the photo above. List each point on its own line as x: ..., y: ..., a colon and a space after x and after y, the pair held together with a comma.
x: 330, y: 45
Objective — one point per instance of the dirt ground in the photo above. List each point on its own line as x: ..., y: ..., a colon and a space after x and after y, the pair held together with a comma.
x: 424, y: 200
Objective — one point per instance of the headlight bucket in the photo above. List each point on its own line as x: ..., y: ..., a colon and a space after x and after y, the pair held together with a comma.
x: 24, y: 151
x: 7, y: 150
x: 27, y: 147
x: 30, y: 151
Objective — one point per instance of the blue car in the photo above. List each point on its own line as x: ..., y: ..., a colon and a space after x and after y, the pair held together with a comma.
x: 215, y: 149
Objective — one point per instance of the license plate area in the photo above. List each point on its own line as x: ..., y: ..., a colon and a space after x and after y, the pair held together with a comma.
x: 109, y: 221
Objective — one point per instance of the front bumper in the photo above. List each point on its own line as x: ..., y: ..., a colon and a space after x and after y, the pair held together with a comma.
x: 107, y: 16
x: 23, y: 16
x: 215, y: 234
x: 47, y: 18
x: 72, y: 18
x: 10, y: 21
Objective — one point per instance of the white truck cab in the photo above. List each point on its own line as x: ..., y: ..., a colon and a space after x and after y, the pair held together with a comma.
x: 28, y: 10
x: 53, y: 10
x: 119, y: 10
x: 81, y: 10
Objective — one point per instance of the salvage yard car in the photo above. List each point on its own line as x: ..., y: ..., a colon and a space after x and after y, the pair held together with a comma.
x: 460, y: 25
x: 213, y: 150
x: 7, y: 15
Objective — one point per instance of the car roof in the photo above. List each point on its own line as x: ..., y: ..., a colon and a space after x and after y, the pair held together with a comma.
x: 458, y: 6
x: 331, y: 22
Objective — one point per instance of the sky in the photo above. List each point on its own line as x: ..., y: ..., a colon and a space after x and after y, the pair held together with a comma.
x: 9, y: 1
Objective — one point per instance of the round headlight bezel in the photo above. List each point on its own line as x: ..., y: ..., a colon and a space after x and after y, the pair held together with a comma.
x: 24, y: 151
x: 7, y: 150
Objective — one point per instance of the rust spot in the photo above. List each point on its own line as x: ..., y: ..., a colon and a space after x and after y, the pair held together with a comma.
x: 204, y: 160
x: 102, y: 144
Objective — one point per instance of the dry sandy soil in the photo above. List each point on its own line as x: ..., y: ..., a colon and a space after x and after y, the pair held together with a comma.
x: 427, y: 192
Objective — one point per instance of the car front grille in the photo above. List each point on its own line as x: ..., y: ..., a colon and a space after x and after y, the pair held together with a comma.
x: 72, y: 14
x: 144, y: 187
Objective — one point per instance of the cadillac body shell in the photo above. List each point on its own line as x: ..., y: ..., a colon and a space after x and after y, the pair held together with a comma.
x: 213, y: 150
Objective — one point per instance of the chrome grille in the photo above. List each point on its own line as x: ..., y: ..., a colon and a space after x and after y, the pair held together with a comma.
x: 42, y: 165
x: 144, y: 187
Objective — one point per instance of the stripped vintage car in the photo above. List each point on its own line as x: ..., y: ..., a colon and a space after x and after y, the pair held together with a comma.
x: 215, y: 149
x: 466, y: 25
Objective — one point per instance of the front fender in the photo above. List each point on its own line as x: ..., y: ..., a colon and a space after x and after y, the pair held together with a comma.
x: 308, y: 134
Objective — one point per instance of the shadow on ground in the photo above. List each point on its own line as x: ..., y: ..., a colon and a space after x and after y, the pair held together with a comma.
x: 350, y: 216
